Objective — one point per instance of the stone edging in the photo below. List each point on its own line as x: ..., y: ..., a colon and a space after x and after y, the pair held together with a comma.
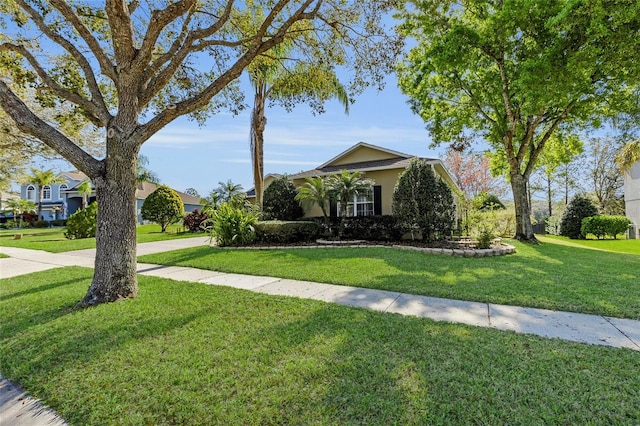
x: 495, y: 251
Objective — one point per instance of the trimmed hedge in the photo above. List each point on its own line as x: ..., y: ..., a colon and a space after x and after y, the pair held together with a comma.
x: 604, y: 225
x: 277, y: 231
x: 370, y: 228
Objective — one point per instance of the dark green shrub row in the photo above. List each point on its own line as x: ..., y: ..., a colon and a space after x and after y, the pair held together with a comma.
x: 603, y: 225
x: 59, y: 222
x: 370, y: 228
x: 276, y: 231
x: 40, y: 223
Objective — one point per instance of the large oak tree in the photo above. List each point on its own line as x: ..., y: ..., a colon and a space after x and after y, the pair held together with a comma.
x: 514, y: 72
x: 132, y: 67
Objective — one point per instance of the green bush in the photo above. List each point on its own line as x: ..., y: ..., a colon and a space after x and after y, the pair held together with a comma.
x: 577, y: 209
x: 163, y: 206
x: 423, y: 202
x: 604, y: 225
x: 485, y: 201
x: 279, y: 201
x: 276, y: 231
x: 82, y: 223
x: 40, y: 224
x: 484, y: 237
x: 58, y: 222
x: 230, y: 226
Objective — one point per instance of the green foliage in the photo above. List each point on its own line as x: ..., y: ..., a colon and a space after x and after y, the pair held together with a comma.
x: 423, y: 202
x: 280, y: 201
x: 577, y: 209
x: 276, y: 231
x: 40, y: 224
x: 485, y: 201
x: 485, y: 237
x: 552, y: 225
x: 370, y: 228
x: 193, y: 221
x: 163, y: 206
x: 315, y: 190
x: 82, y: 223
x: 604, y: 225
x: 344, y: 187
x: 230, y: 226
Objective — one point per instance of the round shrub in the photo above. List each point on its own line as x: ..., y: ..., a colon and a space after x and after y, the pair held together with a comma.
x: 279, y: 201
x: 485, y: 201
x: 82, y: 223
x: 577, y: 209
x: 163, y: 206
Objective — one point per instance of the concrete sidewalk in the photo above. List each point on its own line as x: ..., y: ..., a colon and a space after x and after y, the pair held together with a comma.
x: 591, y: 329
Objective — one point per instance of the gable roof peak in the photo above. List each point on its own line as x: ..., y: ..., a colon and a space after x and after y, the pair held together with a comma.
x: 365, y: 145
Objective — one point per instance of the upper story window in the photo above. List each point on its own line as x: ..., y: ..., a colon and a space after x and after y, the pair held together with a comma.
x: 46, y: 192
x: 31, y: 193
x: 62, y: 188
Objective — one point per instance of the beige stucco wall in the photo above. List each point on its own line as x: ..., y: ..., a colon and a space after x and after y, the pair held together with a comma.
x: 385, y: 178
x: 362, y: 154
x: 632, y: 196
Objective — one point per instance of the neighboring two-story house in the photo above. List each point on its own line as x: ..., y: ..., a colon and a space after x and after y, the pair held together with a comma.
x: 60, y: 200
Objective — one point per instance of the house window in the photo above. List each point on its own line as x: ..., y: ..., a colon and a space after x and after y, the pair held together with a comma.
x: 362, y: 205
x: 31, y: 193
x: 46, y: 192
x: 62, y: 188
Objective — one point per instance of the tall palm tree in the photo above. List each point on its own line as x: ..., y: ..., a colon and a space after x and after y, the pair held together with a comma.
x: 42, y: 178
x: 628, y: 156
x: 315, y: 190
x: 85, y: 191
x: 345, y: 186
x: 272, y: 80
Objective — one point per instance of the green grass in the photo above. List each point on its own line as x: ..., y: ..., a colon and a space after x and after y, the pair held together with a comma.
x: 191, y: 354
x: 550, y: 275
x: 3, y: 256
x: 616, y: 246
x: 54, y: 241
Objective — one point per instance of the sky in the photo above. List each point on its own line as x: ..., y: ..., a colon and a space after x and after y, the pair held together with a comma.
x: 185, y: 155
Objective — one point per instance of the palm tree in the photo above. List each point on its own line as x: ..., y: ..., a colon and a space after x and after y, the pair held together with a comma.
x: 345, y: 186
x: 628, y: 156
x: 19, y: 206
x: 272, y: 80
x: 42, y: 178
x: 315, y: 190
x: 85, y: 191
x: 228, y: 190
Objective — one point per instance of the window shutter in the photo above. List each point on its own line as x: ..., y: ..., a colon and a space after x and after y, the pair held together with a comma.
x: 377, y: 200
x: 333, y: 209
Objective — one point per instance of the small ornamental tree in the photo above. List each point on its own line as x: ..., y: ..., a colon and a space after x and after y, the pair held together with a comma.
x: 423, y: 202
x: 577, y: 209
x: 193, y: 221
x: 486, y: 201
x: 163, y: 206
x: 280, y: 202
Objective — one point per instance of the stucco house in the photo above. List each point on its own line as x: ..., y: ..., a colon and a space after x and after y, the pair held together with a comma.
x: 60, y: 200
x: 632, y: 198
x: 382, y: 165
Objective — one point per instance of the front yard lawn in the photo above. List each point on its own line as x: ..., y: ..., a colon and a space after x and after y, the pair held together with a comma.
x: 54, y: 241
x: 192, y: 354
x: 549, y: 275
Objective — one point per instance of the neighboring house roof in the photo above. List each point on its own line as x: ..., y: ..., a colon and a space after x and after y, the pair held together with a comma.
x: 144, y: 189
x: 4, y: 196
x: 74, y: 175
x: 363, y: 166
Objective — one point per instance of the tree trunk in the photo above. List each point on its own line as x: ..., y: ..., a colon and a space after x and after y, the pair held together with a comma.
x: 524, y: 229
x: 549, y: 196
x: 258, y: 124
x: 114, y: 276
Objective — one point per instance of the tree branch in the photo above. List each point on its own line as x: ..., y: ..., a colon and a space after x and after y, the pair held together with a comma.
x: 92, y: 112
x: 122, y: 30
x: 31, y: 124
x: 106, y: 66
